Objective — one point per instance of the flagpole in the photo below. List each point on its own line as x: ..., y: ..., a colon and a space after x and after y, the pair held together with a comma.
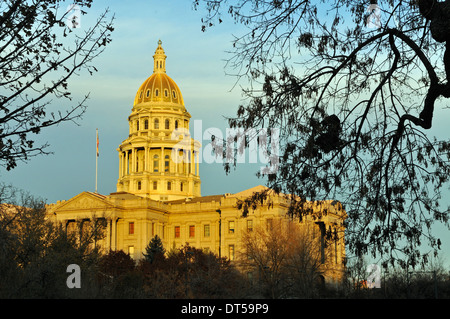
x: 96, y: 163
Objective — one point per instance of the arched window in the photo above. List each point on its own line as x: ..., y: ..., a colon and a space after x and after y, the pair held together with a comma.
x: 166, y: 163
x: 156, y: 163
x: 146, y: 125
x: 176, y: 124
x: 174, y: 94
x: 156, y: 92
x: 166, y: 93
x: 167, y: 124
x: 148, y: 93
x: 156, y: 124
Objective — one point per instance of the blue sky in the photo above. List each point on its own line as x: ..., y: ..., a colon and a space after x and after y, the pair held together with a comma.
x: 195, y: 60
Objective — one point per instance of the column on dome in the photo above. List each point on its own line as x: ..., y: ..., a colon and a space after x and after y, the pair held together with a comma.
x: 145, y: 168
x: 120, y: 164
x: 197, y: 173
x: 161, y: 162
x: 191, y: 161
x: 133, y: 160
x: 127, y: 162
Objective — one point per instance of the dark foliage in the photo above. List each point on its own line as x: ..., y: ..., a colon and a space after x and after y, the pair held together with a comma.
x: 352, y: 104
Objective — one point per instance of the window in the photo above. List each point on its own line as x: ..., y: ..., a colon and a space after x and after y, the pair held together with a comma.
x: 148, y: 93
x: 176, y: 124
x: 156, y: 125
x: 167, y: 124
x: 249, y: 225
x: 169, y: 186
x: 166, y: 163
x: 137, y: 163
x: 231, y: 227
x: 191, y: 231
x: 139, y: 185
x: 137, y: 125
x: 146, y: 125
x: 174, y: 94
x: 181, y: 186
x: 71, y: 227
x: 177, y: 231
x: 166, y: 93
x: 231, y: 252
x: 140, y: 95
x: 269, y: 224
x: 206, y: 230
x: 155, y: 163
x: 156, y: 92
x: 131, y: 251
x: 155, y: 185
x: 131, y: 228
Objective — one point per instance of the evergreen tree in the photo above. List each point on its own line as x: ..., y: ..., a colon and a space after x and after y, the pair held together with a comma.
x: 154, y: 248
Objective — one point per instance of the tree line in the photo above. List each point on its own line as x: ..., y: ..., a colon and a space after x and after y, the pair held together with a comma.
x: 35, y: 253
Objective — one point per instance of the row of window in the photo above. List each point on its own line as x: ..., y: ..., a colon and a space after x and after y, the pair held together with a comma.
x: 155, y: 185
x: 166, y: 93
x: 206, y: 228
x: 206, y: 233
x: 156, y: 163
x: 156, y: 124
x: 186, y: 158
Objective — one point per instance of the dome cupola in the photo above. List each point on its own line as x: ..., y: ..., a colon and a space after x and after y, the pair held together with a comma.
x: 159, y: 87
x: 159, y: 159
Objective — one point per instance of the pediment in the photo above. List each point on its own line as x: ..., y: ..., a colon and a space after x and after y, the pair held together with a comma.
x: 85, y: 201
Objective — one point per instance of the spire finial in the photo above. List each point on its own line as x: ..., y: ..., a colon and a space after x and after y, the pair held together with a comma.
x: 159, y: 64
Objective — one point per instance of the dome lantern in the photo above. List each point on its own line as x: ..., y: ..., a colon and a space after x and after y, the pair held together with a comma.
x: 159, y: 64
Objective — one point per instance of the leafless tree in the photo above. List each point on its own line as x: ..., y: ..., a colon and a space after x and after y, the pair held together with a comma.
x: 353, y: 87
x: 285, y: 260
x: 40, y: 51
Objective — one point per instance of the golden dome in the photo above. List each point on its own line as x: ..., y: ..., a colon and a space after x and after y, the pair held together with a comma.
x: 159, y: 87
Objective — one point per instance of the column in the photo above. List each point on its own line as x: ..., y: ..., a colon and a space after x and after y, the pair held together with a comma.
x: 113, y: 233
x: 161, y: 162
x: 133, y: 160
x: 127, y: 158
x: 175, y: 163
x: 145, y: 158
x: 192, y: 162
x: 197, y: 162
x: 108, y: 234
x: 120, y: 164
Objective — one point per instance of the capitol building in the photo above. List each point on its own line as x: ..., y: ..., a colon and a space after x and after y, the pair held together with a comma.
x: 159, y: 189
